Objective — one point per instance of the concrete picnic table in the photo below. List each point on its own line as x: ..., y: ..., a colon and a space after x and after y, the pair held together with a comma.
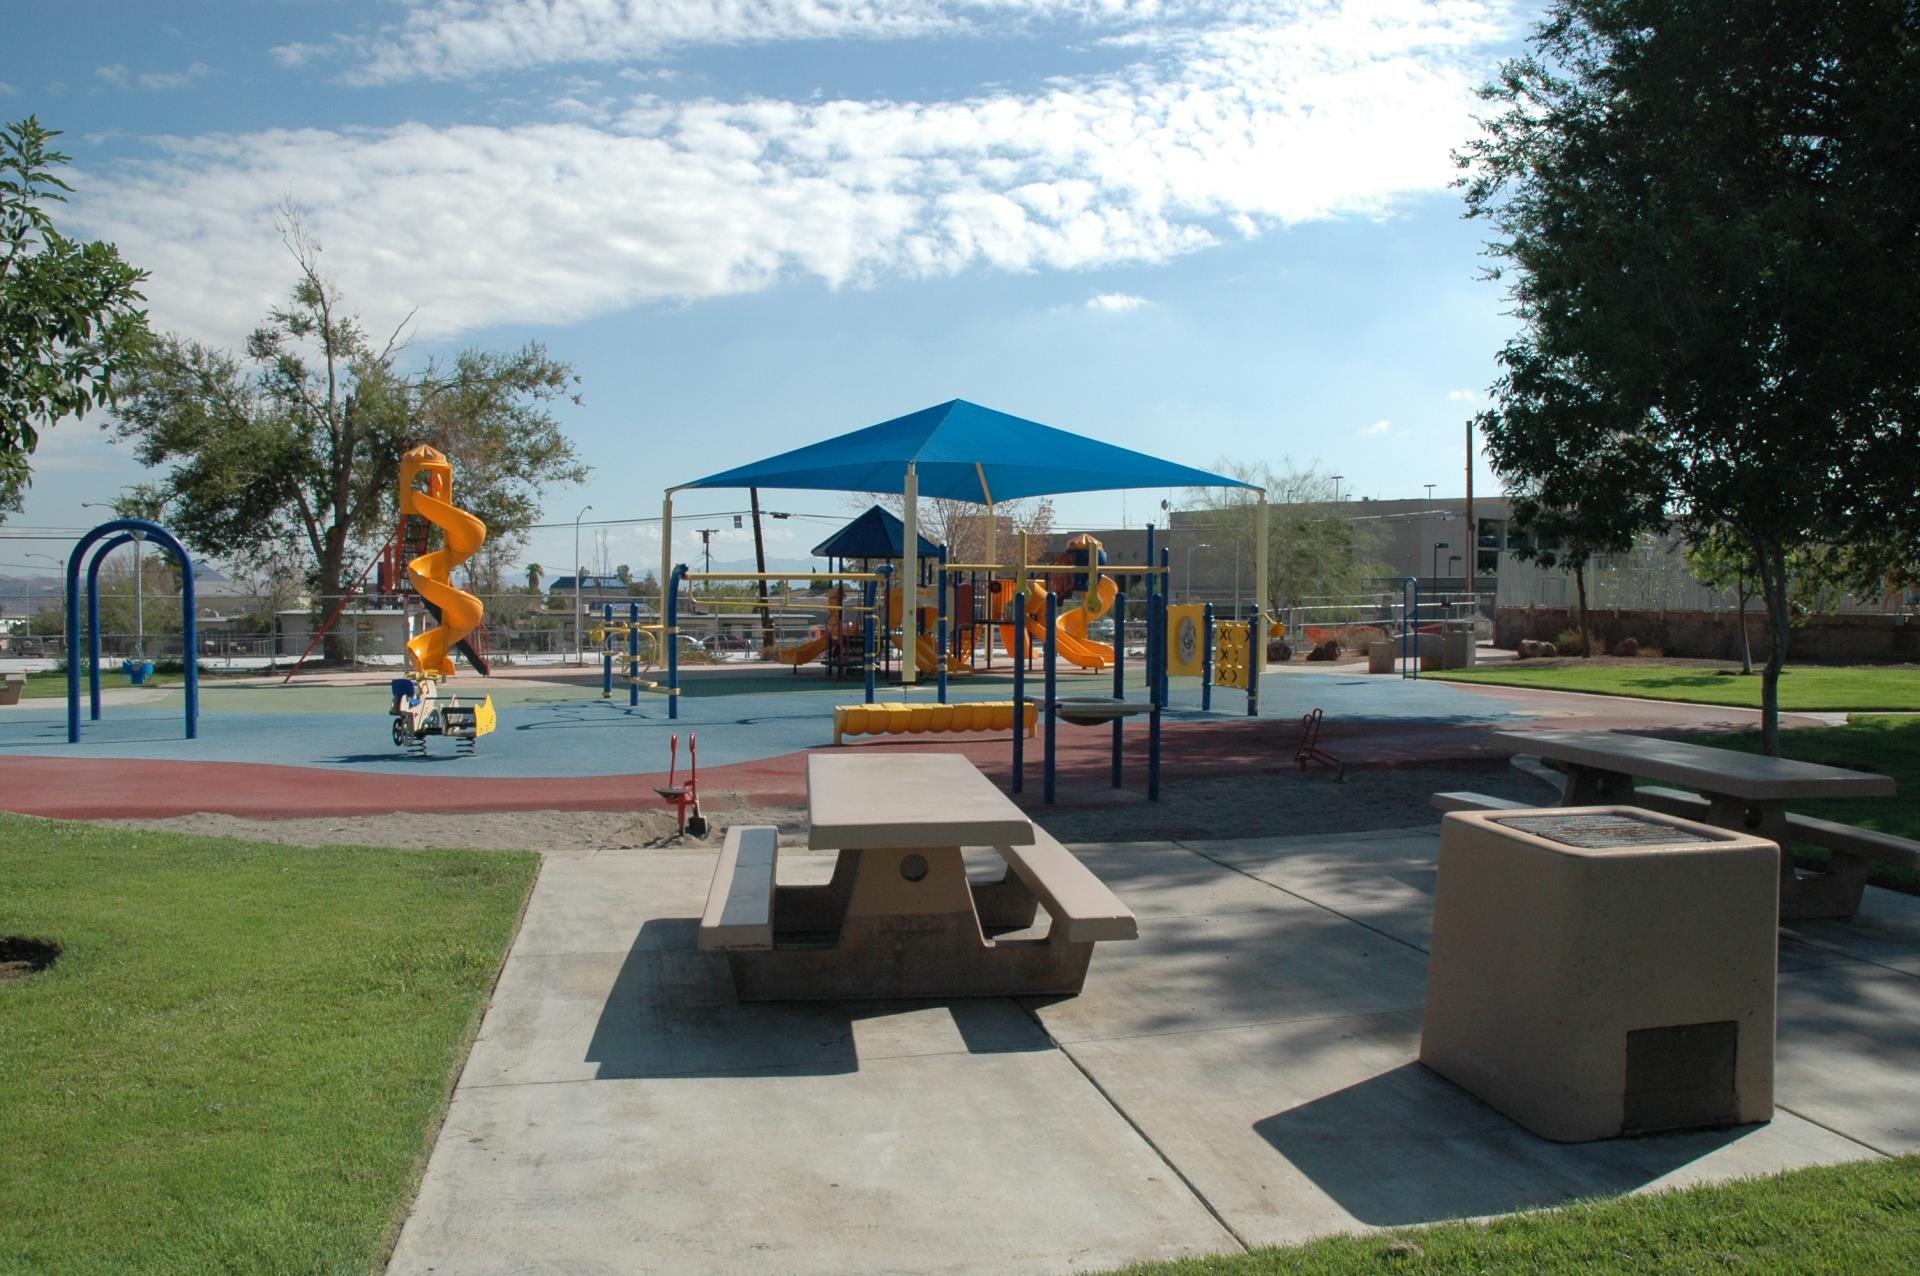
x: 900, y: 917
x: 1743, y: 791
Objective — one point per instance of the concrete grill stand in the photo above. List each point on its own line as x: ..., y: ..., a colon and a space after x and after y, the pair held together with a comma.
x: 1603, y: 971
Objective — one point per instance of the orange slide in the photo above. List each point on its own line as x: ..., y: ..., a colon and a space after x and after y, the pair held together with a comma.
x: 432, y: 573
x: 800, y: 653
x: 1070, y: 629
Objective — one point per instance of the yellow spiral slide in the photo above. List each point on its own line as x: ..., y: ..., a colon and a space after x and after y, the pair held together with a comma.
x: 432, y: 573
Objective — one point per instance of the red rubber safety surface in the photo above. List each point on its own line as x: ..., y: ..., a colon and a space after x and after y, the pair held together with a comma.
x: 69, y: 788
x: 98, y: 788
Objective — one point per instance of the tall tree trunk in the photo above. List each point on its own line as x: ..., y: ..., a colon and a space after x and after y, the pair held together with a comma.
x: 1586, y: 633
x: 1746, y: 642
x: 1773, y: 591
x: 329, y: 591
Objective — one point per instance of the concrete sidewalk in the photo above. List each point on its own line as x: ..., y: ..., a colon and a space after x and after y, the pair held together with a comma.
x: 1243, y: 1074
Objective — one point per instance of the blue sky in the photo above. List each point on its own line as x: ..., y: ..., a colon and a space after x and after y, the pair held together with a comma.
x: 1208, y: 229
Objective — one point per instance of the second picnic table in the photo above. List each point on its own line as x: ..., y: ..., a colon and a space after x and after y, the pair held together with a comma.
x: 900, y: 917
x: 1744, y: 791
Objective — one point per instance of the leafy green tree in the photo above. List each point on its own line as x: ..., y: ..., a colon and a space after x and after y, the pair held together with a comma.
x: 69, y: 311
x: 292, y: 454
x: 1705, y: 217
x: 535, y: 573
x: 1312, y: 551
x: 1722, y: 560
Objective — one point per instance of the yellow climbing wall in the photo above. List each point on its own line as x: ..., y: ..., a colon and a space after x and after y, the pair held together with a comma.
x: 1230, y: 653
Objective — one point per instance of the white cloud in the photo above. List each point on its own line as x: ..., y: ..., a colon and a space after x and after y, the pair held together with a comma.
x: 117, y: 75
x: 1463, y: 396
x: 7, y: 90
x: 1234, y: 130
x: 1115, y: 302
x: 1378, y: 427
x: 163, y: 80
x: 457, y: 39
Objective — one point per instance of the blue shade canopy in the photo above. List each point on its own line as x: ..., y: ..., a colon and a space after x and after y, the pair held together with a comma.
x: 875, y: 534
x: 952, y: 447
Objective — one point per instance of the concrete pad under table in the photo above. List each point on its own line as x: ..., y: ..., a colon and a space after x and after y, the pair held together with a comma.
x: 940, y: 1163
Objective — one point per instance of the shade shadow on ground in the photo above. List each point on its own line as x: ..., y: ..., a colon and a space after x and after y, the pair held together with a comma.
x: 1408, y: 1146
x: 672, y: 1012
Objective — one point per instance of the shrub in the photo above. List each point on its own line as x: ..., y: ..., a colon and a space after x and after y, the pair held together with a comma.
x: 1570, y: 643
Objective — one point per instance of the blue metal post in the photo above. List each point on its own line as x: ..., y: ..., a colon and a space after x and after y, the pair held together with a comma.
x: 73, y: 646
x: 1166, y: 592
x: 1020, y: 703
x: 606, y: 651
x: 1206, y: 660
x: 93, y: 621
x: 1119, y: 674
x: 1156, y: 619
x: 871, y: 629
x: 1256, y: 645
x: 940, y: 582
x: 633, y: 655
x: 670, y: 634
x: 1048, y: 710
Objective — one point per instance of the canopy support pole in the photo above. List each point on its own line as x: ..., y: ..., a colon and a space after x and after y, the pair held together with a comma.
x: 1260, y: 575
x: 910, y: 582
x: 987, y: 493
x: 666, y: 560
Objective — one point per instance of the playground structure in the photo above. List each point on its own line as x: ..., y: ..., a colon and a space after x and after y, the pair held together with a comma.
x: 1024, y: 611
x: 110, y: 536
x: 418, y: 710
x: 961, y: 451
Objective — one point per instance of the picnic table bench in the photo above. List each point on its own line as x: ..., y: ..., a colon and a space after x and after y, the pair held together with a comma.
x: 11, y: 685
x: 1724, y: 787
x: 900, y: 917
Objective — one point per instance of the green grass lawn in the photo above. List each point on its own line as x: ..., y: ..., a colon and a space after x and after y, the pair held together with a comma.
x: 1860, y: 1219
x: 241, y: 1055
x: 1802, y: 687
x: 52, y: 683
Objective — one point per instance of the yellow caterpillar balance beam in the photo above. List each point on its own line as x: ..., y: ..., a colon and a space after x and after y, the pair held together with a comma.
x: 924, y: 719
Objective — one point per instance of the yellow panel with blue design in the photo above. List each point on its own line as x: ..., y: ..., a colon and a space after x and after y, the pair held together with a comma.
x: 1186, y: 640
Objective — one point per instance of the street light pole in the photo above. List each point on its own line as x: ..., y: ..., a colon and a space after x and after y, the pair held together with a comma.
x: 1336, y: 487
x: 1437, y: 547
x: 577, y: 648
x: 1186, y: 571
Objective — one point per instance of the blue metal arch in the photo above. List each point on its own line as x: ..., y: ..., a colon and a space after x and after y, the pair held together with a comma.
x: 100, y: 553
x: 134, y: 528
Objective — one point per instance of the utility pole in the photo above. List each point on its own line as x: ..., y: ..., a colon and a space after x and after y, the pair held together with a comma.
x: 706, y: 548
x: 760, y: 565
x: 1473, y: 528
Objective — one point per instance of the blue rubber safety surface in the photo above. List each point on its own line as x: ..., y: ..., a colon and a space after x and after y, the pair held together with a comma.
x: 547, y: 730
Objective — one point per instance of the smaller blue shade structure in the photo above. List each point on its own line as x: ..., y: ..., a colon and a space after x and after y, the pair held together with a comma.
x: 875, y: 534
